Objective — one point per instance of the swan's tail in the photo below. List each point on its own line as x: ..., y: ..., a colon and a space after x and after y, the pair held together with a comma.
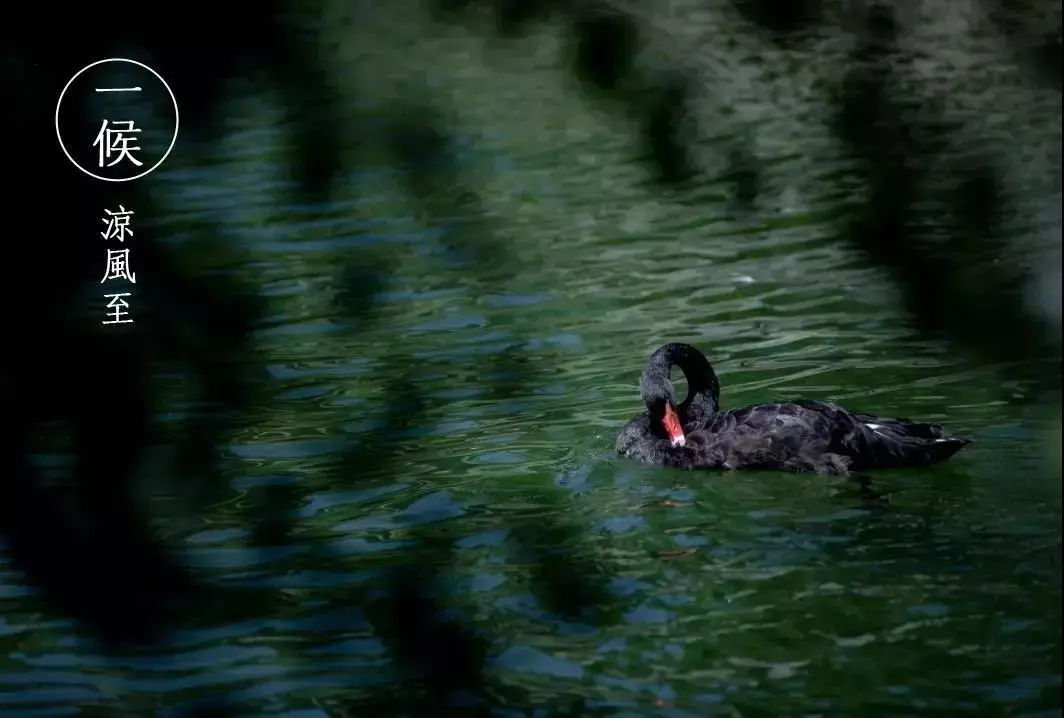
x: 905, y: 442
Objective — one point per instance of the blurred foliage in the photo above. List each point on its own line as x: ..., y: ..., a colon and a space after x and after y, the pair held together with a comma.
x: 90, y: 551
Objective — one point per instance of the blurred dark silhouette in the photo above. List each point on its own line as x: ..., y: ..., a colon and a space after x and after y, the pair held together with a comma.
x: 605, y: 44
x: 953, y: 289
x: 663, y: 135
x: 87, y: 545
x: 92, y: 552
x: 784, y: 19
x: 95, y: 557
x: 1028, y: 28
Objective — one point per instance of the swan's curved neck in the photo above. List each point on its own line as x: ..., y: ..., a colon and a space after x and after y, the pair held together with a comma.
x: 703, y: 388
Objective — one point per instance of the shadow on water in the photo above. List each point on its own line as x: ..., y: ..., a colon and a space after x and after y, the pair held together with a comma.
x: 83, y: 539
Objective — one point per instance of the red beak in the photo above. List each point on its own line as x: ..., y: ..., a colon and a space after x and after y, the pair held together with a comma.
x: 671, y: 422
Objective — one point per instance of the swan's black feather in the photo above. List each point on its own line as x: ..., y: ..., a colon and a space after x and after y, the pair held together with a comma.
x: 793, y: 436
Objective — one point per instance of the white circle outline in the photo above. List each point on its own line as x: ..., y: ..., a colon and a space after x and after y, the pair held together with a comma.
x: 177, y: 120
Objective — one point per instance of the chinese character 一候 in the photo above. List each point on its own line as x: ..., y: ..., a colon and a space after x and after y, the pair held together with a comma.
x: 117, y: 224
x: 116, y: 141
x: 118, y: 307
x: 118, y: 266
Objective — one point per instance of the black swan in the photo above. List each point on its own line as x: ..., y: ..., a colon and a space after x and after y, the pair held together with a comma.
x: 795, y: 436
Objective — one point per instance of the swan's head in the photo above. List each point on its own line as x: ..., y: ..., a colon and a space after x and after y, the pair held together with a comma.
x: 662, y: 408
x: 660, y: 399
x: 659, y: 394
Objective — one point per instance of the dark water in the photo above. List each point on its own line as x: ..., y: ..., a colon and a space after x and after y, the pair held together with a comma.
x: 751, y: 594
